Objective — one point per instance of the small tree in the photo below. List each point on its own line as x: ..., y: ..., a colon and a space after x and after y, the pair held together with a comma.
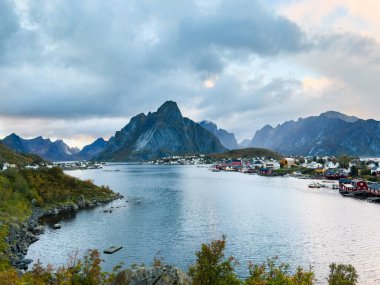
x: 342, y: 274
x: 212, y: 268
x: 354, y: 171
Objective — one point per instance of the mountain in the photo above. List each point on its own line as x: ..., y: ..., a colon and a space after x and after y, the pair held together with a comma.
x: 162, y: 133
x: 13, y: 157
x: 227, y: 139
x: 91, y: 150
x: 53, y: 151
x: 330, y: 133
x: 244, y: 143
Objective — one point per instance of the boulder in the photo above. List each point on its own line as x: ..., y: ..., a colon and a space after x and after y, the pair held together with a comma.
x: 157, y: 275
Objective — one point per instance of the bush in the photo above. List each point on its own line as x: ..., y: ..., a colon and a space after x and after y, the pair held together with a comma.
x: 342, y: 274
x: 270, y: 272
x: 212, y: 268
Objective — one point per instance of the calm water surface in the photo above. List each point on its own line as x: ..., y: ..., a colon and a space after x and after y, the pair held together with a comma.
x: 171, y: 210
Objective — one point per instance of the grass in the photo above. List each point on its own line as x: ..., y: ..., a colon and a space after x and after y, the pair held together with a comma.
x: 248, y: 153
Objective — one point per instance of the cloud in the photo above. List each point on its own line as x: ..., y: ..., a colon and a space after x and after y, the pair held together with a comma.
x: 240, y: 63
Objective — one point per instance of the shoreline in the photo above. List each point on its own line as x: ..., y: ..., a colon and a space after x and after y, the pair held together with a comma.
x: 22, y: 234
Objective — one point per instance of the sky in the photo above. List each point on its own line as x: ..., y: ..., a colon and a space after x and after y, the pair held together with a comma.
x: 79, y: 70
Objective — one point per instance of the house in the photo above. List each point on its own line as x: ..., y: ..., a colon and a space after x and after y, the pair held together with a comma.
x: 347, y: 187
x: 257, y: 164
x: 312, y: 165
x: 265, y: 171
x: 5, y: 166
x: 374, y: 189
x: 331, y: 165
x: 287, y: 162
x: 32, y: 167
x: 273, y: 165
x: 359, y: 184
x: 375, y: 170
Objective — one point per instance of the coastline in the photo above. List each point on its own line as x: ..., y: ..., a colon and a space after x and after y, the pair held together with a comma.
x: 22, y: 234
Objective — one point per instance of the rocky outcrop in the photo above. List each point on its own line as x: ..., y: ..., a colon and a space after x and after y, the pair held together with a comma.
x: 157, y: 275
x: 22, y: 235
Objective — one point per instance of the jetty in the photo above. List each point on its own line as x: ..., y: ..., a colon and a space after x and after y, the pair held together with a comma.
x: 112, y: 249
x: 373, y: 199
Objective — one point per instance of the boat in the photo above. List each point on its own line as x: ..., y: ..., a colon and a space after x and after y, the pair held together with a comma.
x: 112, y: 249
x: 57, y: 226
x: 314, y: 185
x: 214, y: 169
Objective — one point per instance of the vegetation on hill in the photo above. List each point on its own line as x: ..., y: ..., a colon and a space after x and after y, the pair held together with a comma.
x: 45, y: 188
x: 248, y: 153
x: 211, y: 268
x: 10, y: 156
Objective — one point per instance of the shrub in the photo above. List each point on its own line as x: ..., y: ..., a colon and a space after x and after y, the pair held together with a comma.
x: 273, y: 273
x: 342, y: 274
x: 211, y: 267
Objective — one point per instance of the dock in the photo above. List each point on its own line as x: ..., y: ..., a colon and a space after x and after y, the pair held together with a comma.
x: 112, y: 249
x: 373, y: 199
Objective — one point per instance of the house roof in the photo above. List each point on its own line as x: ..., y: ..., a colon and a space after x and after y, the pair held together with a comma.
x: 375, y: 186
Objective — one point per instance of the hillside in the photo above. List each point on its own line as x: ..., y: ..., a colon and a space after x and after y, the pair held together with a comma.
x: 24, y: 190
x: 10, y: 156
x: 248, y: 153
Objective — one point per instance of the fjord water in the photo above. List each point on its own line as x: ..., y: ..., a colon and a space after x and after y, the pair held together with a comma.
x: 171, y: 210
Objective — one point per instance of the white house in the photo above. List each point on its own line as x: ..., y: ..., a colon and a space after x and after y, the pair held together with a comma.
x: 272, y: 164
x: 330, y: 164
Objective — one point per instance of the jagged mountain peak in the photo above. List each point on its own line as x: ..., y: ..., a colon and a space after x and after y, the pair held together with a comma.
x: 338, y: 115
x: 161, y: 133
x: 227, y: 139
x: 170, y: 110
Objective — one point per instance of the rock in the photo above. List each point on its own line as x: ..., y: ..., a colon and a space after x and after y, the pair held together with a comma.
x: 159, y: 275
x: 38, y: 230
x: 31, y: 238
x: 23, y: 264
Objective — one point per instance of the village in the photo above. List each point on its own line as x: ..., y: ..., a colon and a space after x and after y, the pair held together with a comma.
x: 355, y: 177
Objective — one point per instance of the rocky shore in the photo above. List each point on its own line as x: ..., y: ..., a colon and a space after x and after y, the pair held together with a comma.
x: 156, y: 275
x: 22, y: 235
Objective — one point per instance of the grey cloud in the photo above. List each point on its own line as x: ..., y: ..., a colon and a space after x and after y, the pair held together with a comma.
x: 8, y: 25
x: 85, y: 59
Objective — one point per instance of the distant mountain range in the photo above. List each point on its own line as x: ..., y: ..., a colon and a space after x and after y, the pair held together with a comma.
x: 162, y: 133
x: 330, y: 133
x: 53, y: 151
x: 166, y: 132
x: 227, y: 139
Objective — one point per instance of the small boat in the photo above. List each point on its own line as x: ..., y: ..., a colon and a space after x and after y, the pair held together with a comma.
x: 112, y: 249
x: 314, y: 185
x: 57, y: 226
